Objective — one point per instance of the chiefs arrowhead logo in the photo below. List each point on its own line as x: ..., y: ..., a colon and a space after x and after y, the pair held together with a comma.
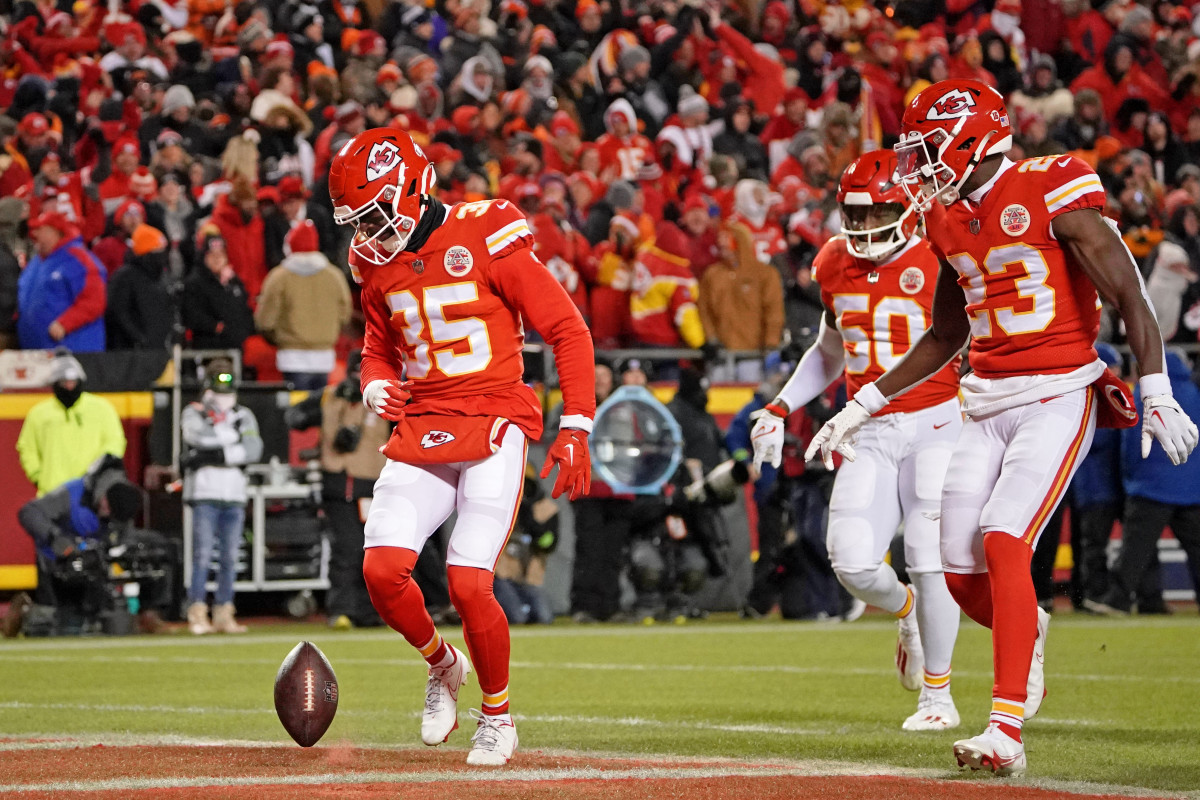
x: 952, y: 105
x: 435, y: 438
x: 383, y: 158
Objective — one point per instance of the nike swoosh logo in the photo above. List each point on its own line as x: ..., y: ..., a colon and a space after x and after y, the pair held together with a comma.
x: 938, y: 427
x: 1062, y: 162
x: 571, y: 453
x: 1158, y: 417
x: 1048, y: 399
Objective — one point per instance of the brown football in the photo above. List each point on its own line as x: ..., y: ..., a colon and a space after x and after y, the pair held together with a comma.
x: 306, y: 694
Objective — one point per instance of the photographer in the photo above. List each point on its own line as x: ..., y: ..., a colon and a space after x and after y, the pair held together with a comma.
x: 673, y: 562
x: 220, y: 438
x: 77, y: 529
x: 351, y: 438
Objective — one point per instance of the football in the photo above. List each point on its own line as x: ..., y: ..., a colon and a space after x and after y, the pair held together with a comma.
x: 306, y: 694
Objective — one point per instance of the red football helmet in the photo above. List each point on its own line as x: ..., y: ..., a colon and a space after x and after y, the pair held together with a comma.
x: 377, y: 182
x: 877, y: 215
x: 947, y: 130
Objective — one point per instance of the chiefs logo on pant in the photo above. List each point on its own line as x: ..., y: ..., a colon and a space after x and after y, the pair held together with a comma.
x: 435, y: 438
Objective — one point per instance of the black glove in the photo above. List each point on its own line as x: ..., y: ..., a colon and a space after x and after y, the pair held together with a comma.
x: 347, y: 438
x: 63, y: 545
x: 197, y: 457
x: 710, y: 351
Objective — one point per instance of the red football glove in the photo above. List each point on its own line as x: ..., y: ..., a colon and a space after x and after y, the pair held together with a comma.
x: 387, y: 398
x: 570, y: 452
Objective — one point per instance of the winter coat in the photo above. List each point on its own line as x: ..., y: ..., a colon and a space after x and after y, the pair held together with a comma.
x: 243, y: 242
x: 68, y: 510
x: 276, y: 228
x: 140, y: 313
x: 1154, y: 477
x: 235, y: 434
x: 1170, y: 276
x: 662, y: 305
x: 10, y: 275
x: 304, y: 305
x: 217, y: 315
x: 57, y: 443
x: 741, y: 305
x: 66, y: 286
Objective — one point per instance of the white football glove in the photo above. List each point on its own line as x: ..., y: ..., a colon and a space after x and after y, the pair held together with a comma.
x: 767, y: 438
x: 1163, y: 419
x: 387, y: 398
x: 836, y: 435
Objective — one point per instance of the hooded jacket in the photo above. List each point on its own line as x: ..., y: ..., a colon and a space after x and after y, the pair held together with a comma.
x: 741, y: 304
x: 67, y: 286
x: 140, y: 313
x: 244, y: 243
x: 217, y: 315
x: 305, y: 303
x: 57, y: 444
x: 1154, y: 477
x: 235, y: 434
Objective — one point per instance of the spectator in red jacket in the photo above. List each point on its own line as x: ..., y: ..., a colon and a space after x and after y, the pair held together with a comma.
x: 1119, y: 79
x: 236, y: 217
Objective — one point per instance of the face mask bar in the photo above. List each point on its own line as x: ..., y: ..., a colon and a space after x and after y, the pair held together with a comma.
x: 379, y: 232
x: 879, y: 242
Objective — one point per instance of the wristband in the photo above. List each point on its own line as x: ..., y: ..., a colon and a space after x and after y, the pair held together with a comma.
x: 776, y: 409
x: 1154, y: 385
x: 576, y: 421
x: 870, y: 398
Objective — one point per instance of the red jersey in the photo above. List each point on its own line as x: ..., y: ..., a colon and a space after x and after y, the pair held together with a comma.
x: 624, y: 158
x: 768, y: 238
x: 449, y: 318
x: 1033, y: 310
x: 881, y: 310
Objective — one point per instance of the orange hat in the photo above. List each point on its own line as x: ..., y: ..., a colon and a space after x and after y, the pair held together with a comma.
x: 302, y: 238
x: 147, y: 239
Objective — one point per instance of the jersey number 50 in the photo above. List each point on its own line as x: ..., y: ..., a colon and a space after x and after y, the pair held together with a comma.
x: 867, y: 332
x: 414, y: 315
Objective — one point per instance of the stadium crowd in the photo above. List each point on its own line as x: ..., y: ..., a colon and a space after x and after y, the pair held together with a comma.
x: 163, y: 172
x: 157, y: 155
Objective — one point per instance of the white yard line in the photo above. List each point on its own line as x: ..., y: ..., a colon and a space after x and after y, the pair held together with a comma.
x: 556, y: 631
x: 781, y: 669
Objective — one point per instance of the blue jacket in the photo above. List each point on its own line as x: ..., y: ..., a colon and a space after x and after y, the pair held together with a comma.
x: 61, y: 511
x: 1098, y: 479
x: 737, y: 442
x: 68, y: 286
x: 1155, y: 478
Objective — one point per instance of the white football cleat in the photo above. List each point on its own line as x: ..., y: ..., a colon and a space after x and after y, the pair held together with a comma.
x: 935, y: 712
x: 910, y: 656
x: 992, y: 750
x: 440, y: 717
x: 1035, y: 689
x: 494, y: 742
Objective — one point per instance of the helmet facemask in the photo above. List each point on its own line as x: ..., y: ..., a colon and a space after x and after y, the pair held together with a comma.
x: 383, y: 226
x: 873, y: 231
x: 923, y: 172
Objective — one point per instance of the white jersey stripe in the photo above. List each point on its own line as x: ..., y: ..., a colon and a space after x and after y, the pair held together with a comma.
x: 1063, y: 201
x: 516, y: 226
x: 506, y: 241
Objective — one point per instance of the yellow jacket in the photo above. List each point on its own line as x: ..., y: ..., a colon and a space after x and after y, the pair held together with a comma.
x: 58, y: 444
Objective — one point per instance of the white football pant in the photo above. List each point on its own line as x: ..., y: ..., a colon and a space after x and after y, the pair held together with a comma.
x: 1009, y: 472
x: 897, y: 476
x: 412, y: 500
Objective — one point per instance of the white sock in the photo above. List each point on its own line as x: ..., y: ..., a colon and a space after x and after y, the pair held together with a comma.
x: 937, y: 616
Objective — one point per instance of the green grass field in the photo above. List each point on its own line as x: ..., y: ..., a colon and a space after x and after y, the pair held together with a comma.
x: 1121, y: 708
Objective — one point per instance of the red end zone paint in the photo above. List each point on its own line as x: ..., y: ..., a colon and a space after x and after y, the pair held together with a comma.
x: 424, y: 775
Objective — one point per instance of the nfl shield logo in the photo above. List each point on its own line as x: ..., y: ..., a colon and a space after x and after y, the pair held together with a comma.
x: 418, y: 266
x: 975, y: 227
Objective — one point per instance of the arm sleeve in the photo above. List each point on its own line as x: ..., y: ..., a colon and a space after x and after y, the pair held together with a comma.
x: 525, y: 283
x: 266, y: 315
x: 249, y: 448
x: 380, y: 356
x: 38, y: 517
x: 687, y: 320
x: 767, y: 75
x: 111, y: 430
x: 90, y: 299
x: 28, y: 449
x: 819, y: 367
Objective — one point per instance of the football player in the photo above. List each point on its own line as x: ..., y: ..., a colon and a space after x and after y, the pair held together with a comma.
x: 444, y: 291
x: 1023, y: 250
x: 877, y: 283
